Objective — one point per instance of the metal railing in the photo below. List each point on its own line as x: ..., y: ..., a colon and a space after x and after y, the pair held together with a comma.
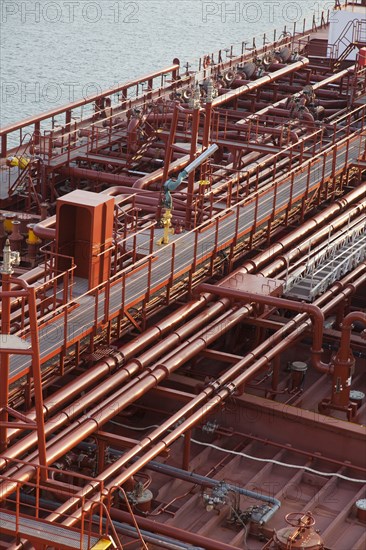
x: 160, y: 268
x: 27, y: 507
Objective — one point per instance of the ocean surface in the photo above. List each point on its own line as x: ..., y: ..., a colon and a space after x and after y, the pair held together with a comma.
x: 54, y: 52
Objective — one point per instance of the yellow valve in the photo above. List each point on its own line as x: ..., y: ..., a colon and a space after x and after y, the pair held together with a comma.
x: 32, y: 237
x: 8, y: 222
x: 204, y: 182
x: 166, y: 221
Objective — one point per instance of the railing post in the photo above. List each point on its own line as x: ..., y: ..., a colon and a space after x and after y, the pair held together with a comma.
x: 148, y: 290
x: 194, y: 263
x: 107, y: 293
x: 3, y: 153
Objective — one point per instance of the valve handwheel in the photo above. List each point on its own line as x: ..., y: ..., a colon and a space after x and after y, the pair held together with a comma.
x: 294, y: 519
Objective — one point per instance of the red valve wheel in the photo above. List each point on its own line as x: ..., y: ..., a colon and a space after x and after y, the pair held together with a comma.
x: 293, y: 518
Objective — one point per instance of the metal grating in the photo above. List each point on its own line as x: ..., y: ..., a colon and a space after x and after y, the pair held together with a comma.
x: 335, y: 262
x: 48, y: 532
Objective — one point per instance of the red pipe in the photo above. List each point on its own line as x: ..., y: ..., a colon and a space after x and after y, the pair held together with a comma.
x: 107, y: 365
x: 263, y: 130
x: 228, y: 388
x: 344, y: 361
x: 254, y: 85
x: 45, y: 229
x: 313, y: 311
x: 97, y: 176
x: 224, y: 380
x: 26, y: 472
x: 312, y: 225
x: 172, y: 531
x: 126, y: 372
x: 329, y: 80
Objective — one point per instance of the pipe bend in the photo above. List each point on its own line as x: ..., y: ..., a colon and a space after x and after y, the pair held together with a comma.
x: 345, y: 351
x: 315, y: 313
x: 317, y: 363
x: 45, y: 229
x: 354, y: 316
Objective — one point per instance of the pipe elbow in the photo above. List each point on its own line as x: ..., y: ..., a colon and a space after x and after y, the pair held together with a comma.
x: 317, y: 313
x: 45, y: 229
x: 317, y: 363
x: 353, y: 317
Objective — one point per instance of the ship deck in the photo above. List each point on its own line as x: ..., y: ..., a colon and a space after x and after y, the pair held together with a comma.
x: 189, y: 354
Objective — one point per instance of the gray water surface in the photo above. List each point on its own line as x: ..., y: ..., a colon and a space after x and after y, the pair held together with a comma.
x: 54, y: 52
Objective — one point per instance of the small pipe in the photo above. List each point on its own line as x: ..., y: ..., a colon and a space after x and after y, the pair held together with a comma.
x: 205, y: 481
x: 209, y: 482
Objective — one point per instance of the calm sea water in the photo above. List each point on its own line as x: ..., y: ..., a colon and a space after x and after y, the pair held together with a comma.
x: 53, y: 52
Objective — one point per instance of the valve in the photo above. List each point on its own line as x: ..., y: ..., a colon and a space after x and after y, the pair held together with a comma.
x: 140, y: 497
x: 10, y: 259
x: 301, y: 533
x: 172, y: 185
x: 166, y: 222
x: 217, y: 497
x: 252, y: 514
x: 210, y: 427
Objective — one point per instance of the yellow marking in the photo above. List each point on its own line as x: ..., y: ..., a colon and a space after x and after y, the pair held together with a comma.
x: 102, y: 544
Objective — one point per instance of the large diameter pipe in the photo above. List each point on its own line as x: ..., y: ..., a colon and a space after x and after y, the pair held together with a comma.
x: 318, y: 85
x: 126, y: 372
x: 155, y: 332
x: 45, y: 229
x: 199, y: 415
x: 254, y: 85
x: 339, y: 204
x: 224, y: 379
x: 326, y: 296
x: 346, y: 329
x: 132, y: 348
x: 294, y: 324
x: 96, y: 175
x: 124, y: 353
x: 344, y: 361
x: 310, y: 225
x: 153, y: 378
x: 123, y: 397
x: 172, y: 531
x: 312, y: 310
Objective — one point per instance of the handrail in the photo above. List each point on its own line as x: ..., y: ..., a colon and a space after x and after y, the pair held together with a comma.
x: 219, y: 218
x: 287, y: 38
x: 84, y: 101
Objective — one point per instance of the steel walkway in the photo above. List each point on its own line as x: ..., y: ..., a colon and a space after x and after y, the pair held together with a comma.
x: 45, y: 532
x: 185, y: 253
x: 335, y: 263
